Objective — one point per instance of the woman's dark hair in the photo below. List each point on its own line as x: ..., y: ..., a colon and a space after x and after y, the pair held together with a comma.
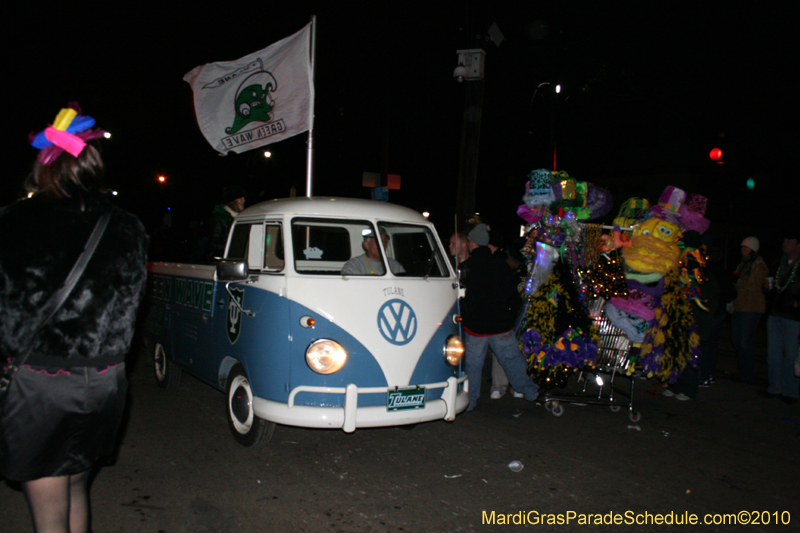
x: 85, y: 171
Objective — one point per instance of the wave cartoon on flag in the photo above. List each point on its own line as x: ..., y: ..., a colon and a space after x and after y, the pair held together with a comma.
x: 259, y: 99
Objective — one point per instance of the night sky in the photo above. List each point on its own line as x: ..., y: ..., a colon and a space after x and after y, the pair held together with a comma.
x: 648, y: 90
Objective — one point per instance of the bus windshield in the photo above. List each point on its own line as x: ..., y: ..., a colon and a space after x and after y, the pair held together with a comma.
x: 358, y: 248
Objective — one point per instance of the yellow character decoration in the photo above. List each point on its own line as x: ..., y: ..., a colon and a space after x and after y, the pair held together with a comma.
x: 654, y: 247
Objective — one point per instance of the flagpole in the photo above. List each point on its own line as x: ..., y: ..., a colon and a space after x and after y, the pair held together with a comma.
x: 310, y: 151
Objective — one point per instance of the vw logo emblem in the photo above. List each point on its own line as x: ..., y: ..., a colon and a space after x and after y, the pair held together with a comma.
x: 397, y: 322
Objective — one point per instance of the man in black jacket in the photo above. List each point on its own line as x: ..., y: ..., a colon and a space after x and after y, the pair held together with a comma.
x: 488, y: 311
x: 783, y: 324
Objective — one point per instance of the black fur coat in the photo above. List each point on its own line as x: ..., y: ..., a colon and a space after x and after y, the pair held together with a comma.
x: 40, y: 240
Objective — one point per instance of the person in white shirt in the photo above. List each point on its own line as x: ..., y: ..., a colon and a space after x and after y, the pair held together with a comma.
x: 369, y: 263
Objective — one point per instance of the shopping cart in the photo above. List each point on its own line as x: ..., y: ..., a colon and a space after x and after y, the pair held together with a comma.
x: 597, y: 383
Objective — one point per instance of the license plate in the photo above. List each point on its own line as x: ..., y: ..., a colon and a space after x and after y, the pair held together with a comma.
x: 401, y: 399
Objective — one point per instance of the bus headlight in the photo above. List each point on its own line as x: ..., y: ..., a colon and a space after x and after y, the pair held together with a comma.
x: 453, y: 350
x: 325, y: 356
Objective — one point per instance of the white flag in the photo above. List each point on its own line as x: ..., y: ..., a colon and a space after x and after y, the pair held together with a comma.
x: 262, y: 98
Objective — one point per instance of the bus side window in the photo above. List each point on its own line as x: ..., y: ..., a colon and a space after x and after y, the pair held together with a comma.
x: 240, y: 241
x: 273, y: 247
x: 260, y: 244
x: 255, y: 247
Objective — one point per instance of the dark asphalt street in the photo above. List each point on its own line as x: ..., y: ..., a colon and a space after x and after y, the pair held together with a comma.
x: 179, y: 470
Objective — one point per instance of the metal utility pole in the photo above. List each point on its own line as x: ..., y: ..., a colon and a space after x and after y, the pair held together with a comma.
x: 470, y: 68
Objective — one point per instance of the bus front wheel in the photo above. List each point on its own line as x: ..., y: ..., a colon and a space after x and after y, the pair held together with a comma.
x: 246, y: 427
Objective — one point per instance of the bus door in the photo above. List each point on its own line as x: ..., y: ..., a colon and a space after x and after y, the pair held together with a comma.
x: 256, y: 331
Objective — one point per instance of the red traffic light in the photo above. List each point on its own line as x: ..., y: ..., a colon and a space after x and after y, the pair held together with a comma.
x: 715, y: 154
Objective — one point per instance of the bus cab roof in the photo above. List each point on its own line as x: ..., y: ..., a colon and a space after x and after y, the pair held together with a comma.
x: 332, y: 207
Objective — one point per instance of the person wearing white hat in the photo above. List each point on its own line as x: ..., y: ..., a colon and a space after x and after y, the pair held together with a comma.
x: 751, y: 243
x: 749, y: 306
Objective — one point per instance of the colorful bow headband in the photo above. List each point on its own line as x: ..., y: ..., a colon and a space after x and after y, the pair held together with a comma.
x: 70, y: 131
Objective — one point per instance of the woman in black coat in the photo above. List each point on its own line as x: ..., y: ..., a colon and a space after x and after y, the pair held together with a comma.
x: 64, y: 406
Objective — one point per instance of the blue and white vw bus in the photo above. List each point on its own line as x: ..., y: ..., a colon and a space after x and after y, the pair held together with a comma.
x: 293, y: 340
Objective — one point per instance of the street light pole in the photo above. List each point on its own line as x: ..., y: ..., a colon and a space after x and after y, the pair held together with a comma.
x: 470, y: 143
x: 470, y: 68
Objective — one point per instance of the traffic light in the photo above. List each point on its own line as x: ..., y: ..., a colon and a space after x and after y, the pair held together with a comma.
x: 716, y: 155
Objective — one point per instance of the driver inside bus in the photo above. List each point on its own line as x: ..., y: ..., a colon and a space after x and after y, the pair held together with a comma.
x: 369, y: 263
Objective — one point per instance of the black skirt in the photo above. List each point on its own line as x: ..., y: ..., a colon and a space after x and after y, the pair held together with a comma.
x: 59, y: 422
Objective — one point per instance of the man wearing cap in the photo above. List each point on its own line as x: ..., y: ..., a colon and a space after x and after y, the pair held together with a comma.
x: 783, y: 324
x: 233, y: 199
x: 488, y: 311
x: 369, y: 263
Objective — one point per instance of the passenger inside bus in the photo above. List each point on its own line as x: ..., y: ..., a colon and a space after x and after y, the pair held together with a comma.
x: 369, y: 263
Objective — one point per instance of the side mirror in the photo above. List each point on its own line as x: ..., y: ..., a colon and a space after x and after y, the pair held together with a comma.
x: 232, y: 270
x: 462, y: 277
